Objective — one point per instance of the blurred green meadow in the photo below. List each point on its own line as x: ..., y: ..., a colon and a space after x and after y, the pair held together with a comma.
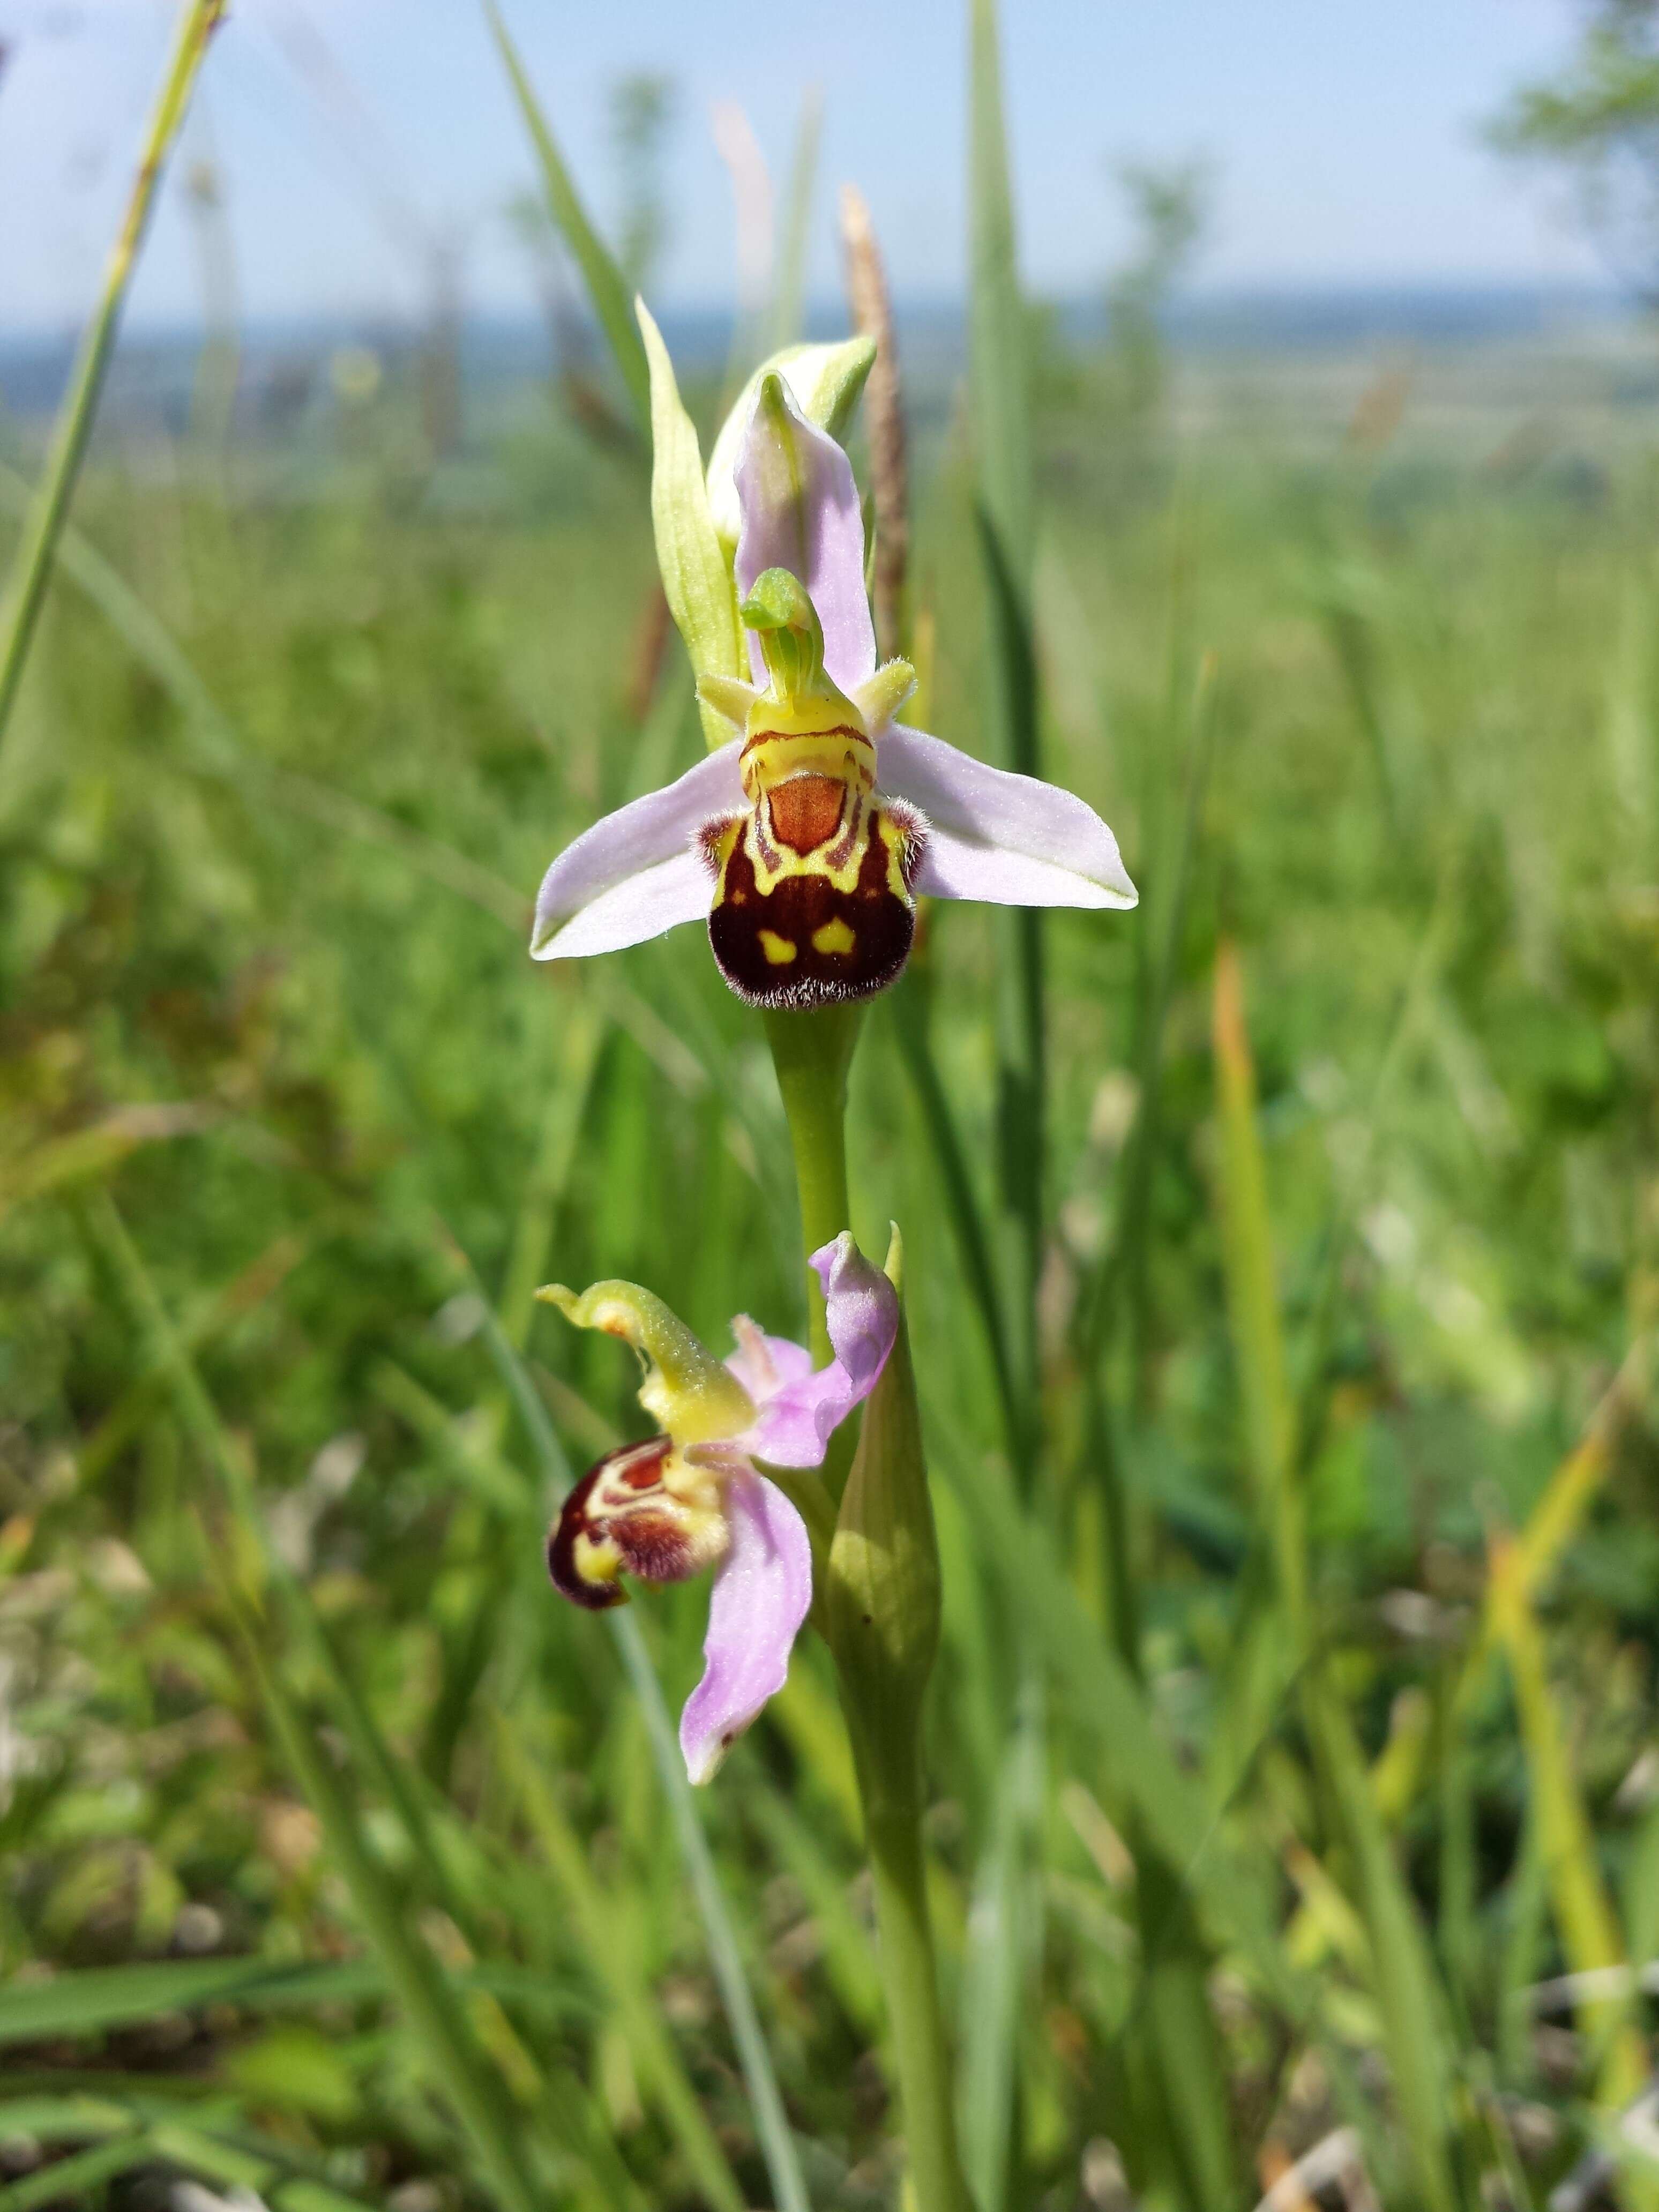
x: 332, y: 1867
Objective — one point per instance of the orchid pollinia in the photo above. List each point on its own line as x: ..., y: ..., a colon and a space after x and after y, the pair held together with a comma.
x: 805, y: 837
x: 690, y: 1497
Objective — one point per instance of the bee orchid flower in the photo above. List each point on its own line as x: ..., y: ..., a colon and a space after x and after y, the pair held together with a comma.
x: 804, y: 840
x: 690, y: 1497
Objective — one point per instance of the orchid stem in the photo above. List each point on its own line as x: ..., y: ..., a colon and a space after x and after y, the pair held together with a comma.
x: 812, y: 1052
x: 921, y: 2053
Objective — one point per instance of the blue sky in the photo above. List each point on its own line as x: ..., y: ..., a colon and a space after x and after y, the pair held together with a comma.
x: 1343, y: 134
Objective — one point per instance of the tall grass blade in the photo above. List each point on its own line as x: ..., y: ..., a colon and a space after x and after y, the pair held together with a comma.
x: 1403, y: 1975
x: 1004, y: 509
x: 789, y: 276
x: 603, y: 279
x: 1584, y: 1917
x: 32, y: 563
x: 1253, y: 1293
x: 996, y: 1969
x: 87, y: 2001
x: 910, y: 1029
x: 1000, y: 380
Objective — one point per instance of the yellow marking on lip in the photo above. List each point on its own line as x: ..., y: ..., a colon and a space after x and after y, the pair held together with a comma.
x: 596, y: 1559
x: 780, y: 950
x: 834, y: 936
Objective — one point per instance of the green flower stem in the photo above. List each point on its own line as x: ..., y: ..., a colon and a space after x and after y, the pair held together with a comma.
x: 812, y: 1053
x: 883, y: 1662
x: 921, y: 2053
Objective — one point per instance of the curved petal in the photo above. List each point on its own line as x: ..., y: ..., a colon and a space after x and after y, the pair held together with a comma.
x: 762, y: 1591
x: 801, y: 512
x: 634, y: 874
x: 765, y: 1364
x: 1009, y: 839
x: 861, y: 1311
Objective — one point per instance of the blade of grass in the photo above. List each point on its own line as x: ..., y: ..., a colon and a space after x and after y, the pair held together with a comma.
x: 87, y: 2001
x: 78, y: 2178
x: 32, y: 563
x: 606, y: 288
x: 1253, y: 1294
x: 1403, y: 1974
x: 999, y: 386
x: 996, y: 1968
x: 789, y: 273
x: 580, y: 1034
x: 1003, y: 508
x: 909, y: 1024
x: 766, y: 2100
x: 1124, y: 1270
x: 1583, y: 1912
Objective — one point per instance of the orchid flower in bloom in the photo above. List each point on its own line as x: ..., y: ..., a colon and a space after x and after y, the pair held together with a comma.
x: 804, y: 838
x: 690, y: 1497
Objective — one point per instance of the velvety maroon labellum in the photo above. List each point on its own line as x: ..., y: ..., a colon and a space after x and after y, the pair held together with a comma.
x: 584, y: 1551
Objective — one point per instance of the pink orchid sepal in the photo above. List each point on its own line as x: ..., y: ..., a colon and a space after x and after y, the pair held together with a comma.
x: 806, y: 836
x: 691, y: 1499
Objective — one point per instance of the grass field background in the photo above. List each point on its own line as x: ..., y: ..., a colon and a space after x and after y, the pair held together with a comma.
x: 335, y: 1856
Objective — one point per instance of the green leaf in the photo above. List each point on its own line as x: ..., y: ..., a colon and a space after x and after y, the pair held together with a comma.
x: 605, y: 287
x: 696, y: 575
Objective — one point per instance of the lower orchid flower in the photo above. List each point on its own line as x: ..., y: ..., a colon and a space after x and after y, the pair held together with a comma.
x: 690, y: 1497
x: 804, y: 839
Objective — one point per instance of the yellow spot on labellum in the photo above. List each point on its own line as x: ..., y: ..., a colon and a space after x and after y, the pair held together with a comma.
x: 780, y: 950
x: 834, y: 936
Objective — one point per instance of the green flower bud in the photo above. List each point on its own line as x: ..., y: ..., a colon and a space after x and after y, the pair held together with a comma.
x: 881, y: 1597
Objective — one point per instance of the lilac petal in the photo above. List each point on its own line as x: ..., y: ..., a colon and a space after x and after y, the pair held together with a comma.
x: 634, y: 874
x: 1008, y: 840
x: 861, y: 1311
x: 801, y: 512
x: 765, y: 1364
x: 763, y: 1589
